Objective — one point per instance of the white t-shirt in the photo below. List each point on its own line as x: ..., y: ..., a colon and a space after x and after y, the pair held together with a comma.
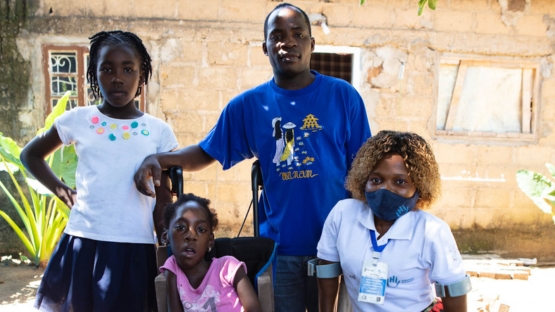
x: 109, y: 207
x: 420, y: 250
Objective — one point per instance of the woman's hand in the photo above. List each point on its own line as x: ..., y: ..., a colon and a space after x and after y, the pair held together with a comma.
x: 327, y: 291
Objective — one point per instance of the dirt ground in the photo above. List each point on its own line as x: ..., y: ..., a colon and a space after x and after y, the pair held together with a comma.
x: 18, y: 285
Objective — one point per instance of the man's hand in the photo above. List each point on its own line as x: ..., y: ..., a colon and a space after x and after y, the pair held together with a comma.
x: 149, y: 168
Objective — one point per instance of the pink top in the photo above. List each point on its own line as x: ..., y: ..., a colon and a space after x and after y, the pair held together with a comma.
x: 215, y: 293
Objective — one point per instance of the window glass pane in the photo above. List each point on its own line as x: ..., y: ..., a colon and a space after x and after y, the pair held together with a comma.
x: 447, y: 77
x: 332, y: 64
x: 63, y: 62
x: 60, y: 85
x: 490, y: 99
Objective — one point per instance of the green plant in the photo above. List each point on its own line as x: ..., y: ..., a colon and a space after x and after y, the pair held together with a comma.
x: 539, y: 188
x: 421, y: 4
x: 43, y: 215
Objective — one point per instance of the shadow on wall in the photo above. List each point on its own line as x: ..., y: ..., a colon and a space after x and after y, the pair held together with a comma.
x: 510, y: 241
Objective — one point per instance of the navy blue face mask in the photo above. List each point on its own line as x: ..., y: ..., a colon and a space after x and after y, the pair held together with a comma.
x: 389, y: 206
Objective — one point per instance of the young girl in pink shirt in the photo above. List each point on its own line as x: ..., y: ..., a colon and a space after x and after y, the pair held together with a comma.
x: 193, y: 283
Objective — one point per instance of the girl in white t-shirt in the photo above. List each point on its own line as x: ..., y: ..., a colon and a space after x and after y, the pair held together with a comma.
x: 390, y: 251
x: 106, y: 259
x: 194, y: 284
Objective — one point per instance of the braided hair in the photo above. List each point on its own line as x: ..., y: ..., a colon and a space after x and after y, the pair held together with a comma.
x: 115, y: 37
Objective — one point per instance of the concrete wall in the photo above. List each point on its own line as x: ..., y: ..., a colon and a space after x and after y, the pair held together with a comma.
x: 206, y: 52
x: 14, y: 93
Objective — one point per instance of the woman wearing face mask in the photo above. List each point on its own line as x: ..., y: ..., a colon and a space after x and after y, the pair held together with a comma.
x: 394, y: 256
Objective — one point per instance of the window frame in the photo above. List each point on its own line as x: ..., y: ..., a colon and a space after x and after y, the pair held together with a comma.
x: 529, y: 113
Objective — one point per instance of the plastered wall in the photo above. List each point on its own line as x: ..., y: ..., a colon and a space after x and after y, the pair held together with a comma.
x: 206, y: 52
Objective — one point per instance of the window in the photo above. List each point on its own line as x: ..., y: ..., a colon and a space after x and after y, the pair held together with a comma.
x: 487, y: 98
x: 339, y: 62
x: 336, y: 65
x: 65, y: 69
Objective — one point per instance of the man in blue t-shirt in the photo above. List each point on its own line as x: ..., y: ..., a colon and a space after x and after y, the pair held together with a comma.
x: 305, y: 128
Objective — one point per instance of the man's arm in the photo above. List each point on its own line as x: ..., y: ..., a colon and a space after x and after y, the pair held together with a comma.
x: 163, y: 198
x: 359, y: 128
x: 190, y: 158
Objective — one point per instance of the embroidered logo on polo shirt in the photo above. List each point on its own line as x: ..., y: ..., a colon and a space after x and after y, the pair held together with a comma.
x: 393, y: 281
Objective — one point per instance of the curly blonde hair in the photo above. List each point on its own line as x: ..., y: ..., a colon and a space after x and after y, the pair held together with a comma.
x: 415, y: 151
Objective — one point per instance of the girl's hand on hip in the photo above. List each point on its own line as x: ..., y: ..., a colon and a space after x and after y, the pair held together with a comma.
x: 67, y: 195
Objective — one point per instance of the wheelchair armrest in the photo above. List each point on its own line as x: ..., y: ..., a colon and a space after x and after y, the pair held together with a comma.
x: 161, y: 255
x: 161, y: 292
x: 266, y: 290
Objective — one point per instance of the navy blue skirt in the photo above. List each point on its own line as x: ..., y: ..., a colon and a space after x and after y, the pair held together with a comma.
x: 88, y: 275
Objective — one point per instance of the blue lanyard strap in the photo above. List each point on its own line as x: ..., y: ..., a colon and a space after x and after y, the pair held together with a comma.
x: 375, y: 243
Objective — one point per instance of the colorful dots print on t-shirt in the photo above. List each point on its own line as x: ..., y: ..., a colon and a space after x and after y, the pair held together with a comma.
x: 120, y: 130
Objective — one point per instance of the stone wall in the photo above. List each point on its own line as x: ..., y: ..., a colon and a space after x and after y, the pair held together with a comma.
x: 14, y: 97
x: 206, y: 52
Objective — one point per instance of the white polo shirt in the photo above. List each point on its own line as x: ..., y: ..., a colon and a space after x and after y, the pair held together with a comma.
x: 420, y: 250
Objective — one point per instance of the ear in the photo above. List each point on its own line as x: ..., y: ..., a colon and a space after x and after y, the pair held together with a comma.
x: 164, y: 238
x: 265, y: 48
x: 312, y: 44
x: 211, y: 240
x: 142, y: 79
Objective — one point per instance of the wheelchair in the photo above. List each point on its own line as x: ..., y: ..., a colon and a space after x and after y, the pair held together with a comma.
x: 258, y: 253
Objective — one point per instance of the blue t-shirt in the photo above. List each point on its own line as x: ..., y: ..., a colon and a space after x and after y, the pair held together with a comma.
x: 305, y: 140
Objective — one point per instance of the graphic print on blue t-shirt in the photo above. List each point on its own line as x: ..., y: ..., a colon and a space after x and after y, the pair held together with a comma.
x: 292, y: 157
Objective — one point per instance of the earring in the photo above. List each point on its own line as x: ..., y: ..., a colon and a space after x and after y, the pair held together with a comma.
x: 209, y: 249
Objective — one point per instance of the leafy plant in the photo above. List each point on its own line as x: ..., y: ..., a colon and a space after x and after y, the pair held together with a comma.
x: 421, y: 4
x: 539, y: 188
x: 44, y: 216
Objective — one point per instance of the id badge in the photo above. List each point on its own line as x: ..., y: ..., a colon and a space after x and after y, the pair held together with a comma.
x: 373, y: 282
